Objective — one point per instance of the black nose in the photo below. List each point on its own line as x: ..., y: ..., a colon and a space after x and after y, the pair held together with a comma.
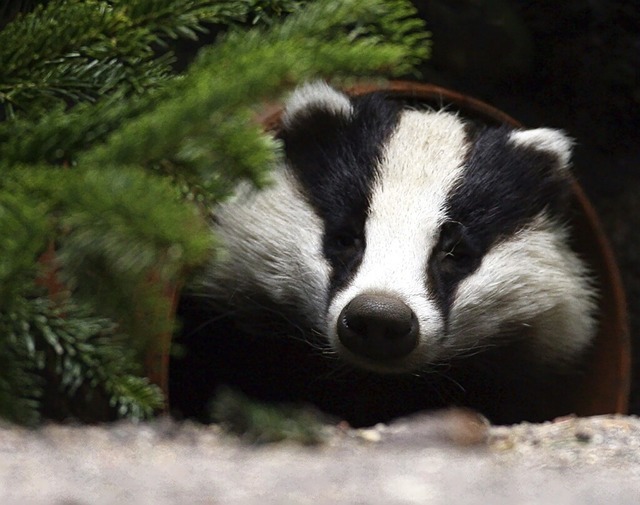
x: 379, y: 327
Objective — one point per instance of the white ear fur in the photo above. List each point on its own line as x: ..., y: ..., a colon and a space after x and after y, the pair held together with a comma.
x: 555, y: 142
x: 317, y: 95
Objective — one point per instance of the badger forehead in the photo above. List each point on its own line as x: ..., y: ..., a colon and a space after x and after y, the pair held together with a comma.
x: 419, y: 165
x: 392, y: 177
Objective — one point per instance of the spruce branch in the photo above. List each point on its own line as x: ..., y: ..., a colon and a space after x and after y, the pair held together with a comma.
x: 54, y: 351
x: 270, y: 12
x: 324, y: 38
x: 59, y: 134
x: 185, y: 18
x: 258, y: 423
x: 25, y: 230
x: 122, y: 235
x: 83, y: 85
x: 21, y: 388
x: 69, y: 50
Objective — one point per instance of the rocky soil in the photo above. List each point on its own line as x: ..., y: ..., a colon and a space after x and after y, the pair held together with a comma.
x: 446, y: 458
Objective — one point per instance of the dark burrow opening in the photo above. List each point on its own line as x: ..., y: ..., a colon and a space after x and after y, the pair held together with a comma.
x: 214, y: 355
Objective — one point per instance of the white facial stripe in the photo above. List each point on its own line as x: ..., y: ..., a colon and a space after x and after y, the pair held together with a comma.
x: 422, y: 162
x: 533, y: 278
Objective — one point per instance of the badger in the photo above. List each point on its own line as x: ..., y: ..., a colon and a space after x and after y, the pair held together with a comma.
x: 402, y: 259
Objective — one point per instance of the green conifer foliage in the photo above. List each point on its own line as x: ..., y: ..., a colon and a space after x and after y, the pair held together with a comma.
x: 109, y: 157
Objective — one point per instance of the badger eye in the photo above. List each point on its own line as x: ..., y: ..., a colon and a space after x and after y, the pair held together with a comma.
x: 344, y: 245
x: 455, y: 249
x: 347, y: 240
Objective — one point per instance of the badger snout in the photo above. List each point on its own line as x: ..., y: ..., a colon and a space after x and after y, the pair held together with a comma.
x: 379, y: 327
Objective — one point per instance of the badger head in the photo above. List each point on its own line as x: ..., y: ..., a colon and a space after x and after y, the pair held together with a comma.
x: 406, y: 238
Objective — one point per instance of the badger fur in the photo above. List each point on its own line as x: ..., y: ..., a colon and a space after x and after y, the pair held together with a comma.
x: 401, y: 259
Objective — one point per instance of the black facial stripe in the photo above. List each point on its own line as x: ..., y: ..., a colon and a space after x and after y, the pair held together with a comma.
x: 335, y: 159
x: 503, y: 187
x: 455, y: 256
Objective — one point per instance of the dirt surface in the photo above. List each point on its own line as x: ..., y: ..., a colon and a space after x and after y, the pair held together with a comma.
x: 447, y: 458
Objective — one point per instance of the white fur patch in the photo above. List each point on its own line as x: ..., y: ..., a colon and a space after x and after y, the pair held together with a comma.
x: 316, y: 94
x: 549, y: 140
x: 272, y: 244
x: 421, y: 163
x: 533, y: 281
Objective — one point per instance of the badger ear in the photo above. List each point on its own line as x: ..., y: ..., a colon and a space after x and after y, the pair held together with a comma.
x: 547, y: 141
x: 313, y: 122
x: 315, y: 101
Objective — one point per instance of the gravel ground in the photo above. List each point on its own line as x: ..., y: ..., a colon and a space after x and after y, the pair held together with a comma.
x: 445, y: 458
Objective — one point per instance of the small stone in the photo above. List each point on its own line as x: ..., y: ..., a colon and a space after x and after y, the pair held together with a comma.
x: 583, y: 434
x: 370, y: 435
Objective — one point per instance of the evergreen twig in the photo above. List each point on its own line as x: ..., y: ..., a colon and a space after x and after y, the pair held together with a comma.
x: 99, y: 143
x: 74, y: 51
x: 80, y: 351
x: 325, y: 38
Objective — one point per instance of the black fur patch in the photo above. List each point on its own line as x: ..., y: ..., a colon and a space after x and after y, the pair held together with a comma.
x: 503, y: 188
x: 335, y: 158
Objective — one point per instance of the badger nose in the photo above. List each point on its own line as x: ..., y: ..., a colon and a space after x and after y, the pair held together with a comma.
x: 378, y: 327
